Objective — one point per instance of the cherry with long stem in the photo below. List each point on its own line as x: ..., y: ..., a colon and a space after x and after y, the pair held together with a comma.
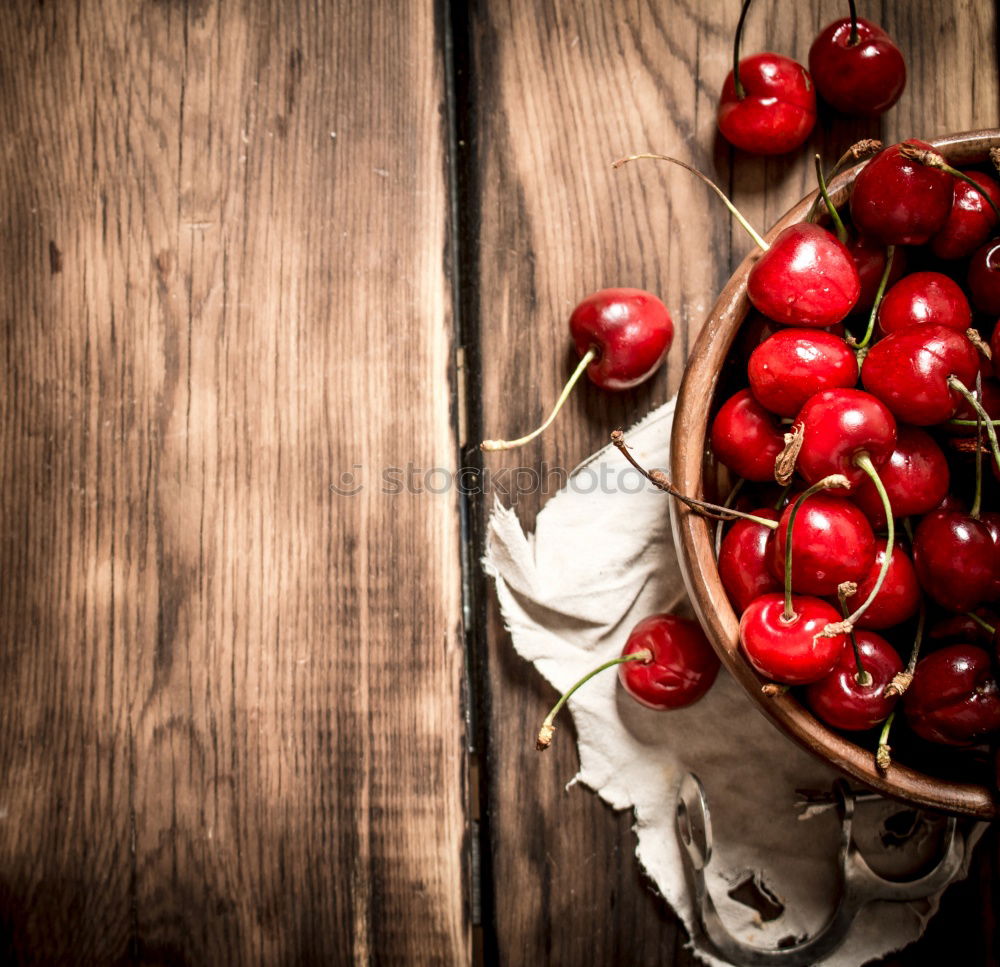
x: 545, y: 733
x: 588, y: 357
x: 659, y: 479
x: 932, y: 159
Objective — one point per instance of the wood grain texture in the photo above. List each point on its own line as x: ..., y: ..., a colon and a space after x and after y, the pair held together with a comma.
x: 563, y: 89
x: 230, y: 710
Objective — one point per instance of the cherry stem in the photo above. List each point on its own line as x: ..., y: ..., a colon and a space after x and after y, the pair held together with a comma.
x: 890, y: 253
x: 838, y: 223
x: 659, y: 479
x: 588, y: 357
x: 864, y: 462
x: 933, y: 159
x: 737, y: 83
x: 827, y: 483
x: 977, y: 502
x: 544, y: 739
x: 985, y: 625
x: 736, y: 213
x: 854, y: 153
x: 863, y: 678
x: 973, y: 422
x: 956, y: 384
x: 918, y: 639
x: 883, y: 758
x: 853, y: 39
x: 727, y: 503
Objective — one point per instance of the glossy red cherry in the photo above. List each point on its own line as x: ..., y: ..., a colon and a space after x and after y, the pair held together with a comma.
x: 622, y: 336
x: 924, y: 298
x: 954, y: 556
x: 869, y: 259
x: 984, y: 277
x: 743, y: 560
x: 777, y: 109
x: 792, y: 365
x: 683, y: 668
x: 806, y: 278
x: 841, y: 701
x: 962, y: 628
x: 898, y: 598
x: 971, y: 220
x: 839, y: 425
x: 898, y: 201
x: 832, y: 542
x: 862, y: 76
x: 954, y: 698
x: 746, y: 437
x: 794, y: 651
x: 916, y: 477
x: 909, y: 370
x: 631, y: 331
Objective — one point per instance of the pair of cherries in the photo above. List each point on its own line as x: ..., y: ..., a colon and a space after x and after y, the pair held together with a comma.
x: 768, y: 101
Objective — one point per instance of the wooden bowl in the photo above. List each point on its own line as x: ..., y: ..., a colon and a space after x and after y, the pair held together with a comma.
x: 694, y: 535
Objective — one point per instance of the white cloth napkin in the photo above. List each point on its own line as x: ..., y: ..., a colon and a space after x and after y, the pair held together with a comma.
x: 602, y: 558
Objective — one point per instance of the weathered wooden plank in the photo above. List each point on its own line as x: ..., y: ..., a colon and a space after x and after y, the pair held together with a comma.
x: 230, y: 697
x: 562, y: 89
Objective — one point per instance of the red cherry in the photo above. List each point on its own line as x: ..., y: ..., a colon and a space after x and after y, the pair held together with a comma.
x: 991, y: 521
x: 777, y: 111
x: 869, y: 259
x: 793, y: 651
x: 864, y: 78
x: 909, y: 370
x: 631, y: 330
x: 984, y: 277
x: 954, y: 698
x: 621, y: 335
x: 843, y: 703
x: 683, y: 668
x: 971, y: 220
x: 898, y: 201
x: 899, y: 596
x: 924, y: 298
x: 832, y: 542
x: 806, y: 278
x: 793, y: 364
x: 960, y: 627
x: 839, y: 425
x: 915, y: 476
x: 743, y: 560
x: 746, y: 437
x: 954, y: 556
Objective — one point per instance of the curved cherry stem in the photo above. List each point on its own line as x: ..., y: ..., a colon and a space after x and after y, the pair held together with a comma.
x: 985, y: 625
x: 659, y: 479
x: 827, y: 483
x: 734, y: 211
x: 956, y: 384
x: 863, y: 678
x: 883, y: 756
x: 544, y: 738
x: 856, y: 152
x: 727, y: 503
x: 864, y: 462
x: 588, y: 357
x: 890, y: 252
x: 838, y: 223
x: 737, y: 83
x: 853, y: 39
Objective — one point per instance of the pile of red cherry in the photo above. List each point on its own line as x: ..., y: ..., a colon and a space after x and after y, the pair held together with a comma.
x: 871, y: 410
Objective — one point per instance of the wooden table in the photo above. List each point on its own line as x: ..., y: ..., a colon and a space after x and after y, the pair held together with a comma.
x: 272, y: 271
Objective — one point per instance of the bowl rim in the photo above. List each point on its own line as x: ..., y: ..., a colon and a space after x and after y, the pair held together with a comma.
x: 695, y: 544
